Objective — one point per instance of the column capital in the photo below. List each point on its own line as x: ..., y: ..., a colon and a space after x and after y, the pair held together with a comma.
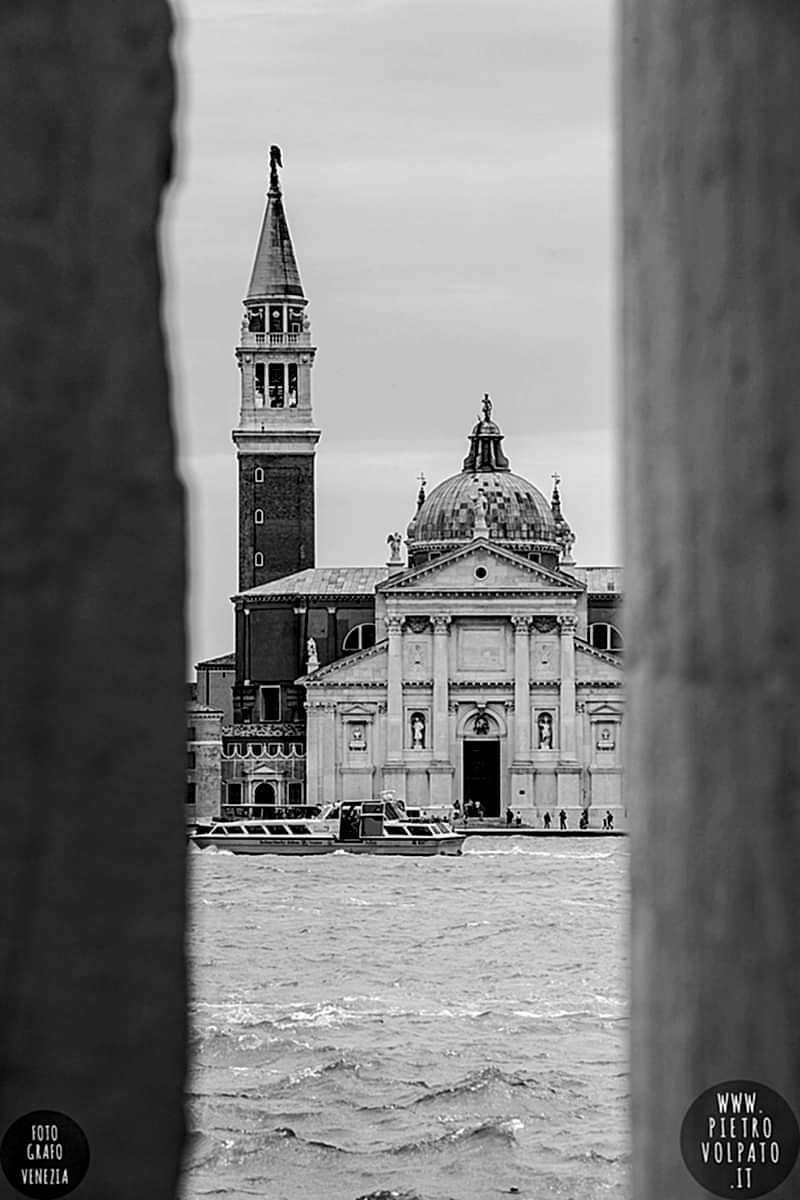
x: 522, y: 624
x: 568, y: 623
x: 394, y: 624
x: 441, y: 622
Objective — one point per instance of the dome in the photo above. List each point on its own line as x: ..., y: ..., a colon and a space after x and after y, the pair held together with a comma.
x: 516, y: 511
x: 486, y: 499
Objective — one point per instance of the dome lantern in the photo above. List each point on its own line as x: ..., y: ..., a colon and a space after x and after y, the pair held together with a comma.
x: 486, y: 499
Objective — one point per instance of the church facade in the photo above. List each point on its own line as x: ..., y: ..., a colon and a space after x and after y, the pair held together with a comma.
x: 484, y: 668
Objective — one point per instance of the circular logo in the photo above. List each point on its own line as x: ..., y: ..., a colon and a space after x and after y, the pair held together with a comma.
x: 740, y: 1139
x: 44, y: 1154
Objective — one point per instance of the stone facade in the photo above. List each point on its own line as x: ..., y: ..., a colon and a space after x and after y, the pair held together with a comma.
x: 484, y: 688
x: 204, y: 762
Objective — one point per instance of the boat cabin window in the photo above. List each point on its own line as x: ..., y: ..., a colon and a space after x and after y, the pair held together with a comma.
x: 392, y: 813
x: 300, y: 829
x: 218, y: 831
x: 257, y: 829
x: 420, y: 830
x: 281, y: 830
x: 235, y: 829
x: 396, y: 830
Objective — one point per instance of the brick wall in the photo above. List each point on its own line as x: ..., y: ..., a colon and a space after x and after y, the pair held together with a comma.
x: 286, y: 496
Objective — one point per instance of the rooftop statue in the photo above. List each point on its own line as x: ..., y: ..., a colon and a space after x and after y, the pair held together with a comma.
x: 275, y: 161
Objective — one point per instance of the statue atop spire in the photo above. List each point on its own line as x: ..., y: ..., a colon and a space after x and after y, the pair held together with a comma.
x: 485, y: 451
x: 564, y: 534
x: 275, y: 161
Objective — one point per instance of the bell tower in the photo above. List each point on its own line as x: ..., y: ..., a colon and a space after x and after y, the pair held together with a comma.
x: 275, y: 439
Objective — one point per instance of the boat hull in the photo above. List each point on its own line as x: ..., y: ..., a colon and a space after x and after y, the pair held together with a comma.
x: 406, y: 847
x: 251, y: 845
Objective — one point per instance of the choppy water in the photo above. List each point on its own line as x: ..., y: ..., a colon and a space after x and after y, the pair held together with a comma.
x: 400, y: 1029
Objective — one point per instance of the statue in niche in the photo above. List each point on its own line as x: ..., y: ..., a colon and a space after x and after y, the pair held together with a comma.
x: 312, y: 659
x: 357, y: 739
x: 417, y: 731
x: 481, y: 724
x: 544, y: 725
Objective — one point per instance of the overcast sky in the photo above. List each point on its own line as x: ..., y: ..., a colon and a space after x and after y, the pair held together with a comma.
x: 448, y: 180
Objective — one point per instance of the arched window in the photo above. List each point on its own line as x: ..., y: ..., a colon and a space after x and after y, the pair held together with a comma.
x: 358, y: 638
x: 259, y: 475
x: 264, y: 794
x: 259, y: 516
x: 258, y: 560
x: 605, y: 637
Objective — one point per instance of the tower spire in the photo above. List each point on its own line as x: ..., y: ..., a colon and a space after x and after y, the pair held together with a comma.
x: 275, y: 274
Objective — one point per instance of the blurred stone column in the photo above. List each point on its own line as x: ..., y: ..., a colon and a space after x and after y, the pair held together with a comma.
x: 394, y: 689
x: 441, y: 636
x: 568, y: 625
x: 92, y: 1008
x: 710, y: 224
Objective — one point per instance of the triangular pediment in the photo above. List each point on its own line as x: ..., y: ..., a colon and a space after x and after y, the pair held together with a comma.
x: 606, y: 711
x: 481, y: 568
x: 364, y: 666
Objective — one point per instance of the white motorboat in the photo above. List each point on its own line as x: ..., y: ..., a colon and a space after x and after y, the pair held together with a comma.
x: 358, y: 827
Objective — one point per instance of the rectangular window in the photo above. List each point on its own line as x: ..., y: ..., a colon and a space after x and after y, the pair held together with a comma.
x: 259, y: 384
x: 276, y: 318
x: 234, y: 793
x: 191, y: 733
x: 256, y: 319
x: 276, y: 398
x: 295, y: 793
x: 270, y: 704
x: 291, y: 386
x: 295, y: 320
x: 291, y: 705
x: 191, y: 790
x: 190, y: 760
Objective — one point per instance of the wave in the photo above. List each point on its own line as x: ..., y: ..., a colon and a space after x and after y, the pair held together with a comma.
x: 519, y: 850
x: 386, y: 1194
x: 477, y: 1081
x: 494, y: 1129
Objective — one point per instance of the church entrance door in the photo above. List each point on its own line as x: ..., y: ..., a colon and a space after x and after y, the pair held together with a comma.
x: 482, y: 776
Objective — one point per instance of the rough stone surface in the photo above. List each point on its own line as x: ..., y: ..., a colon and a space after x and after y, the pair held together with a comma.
x: 92, y: 1007
x: 711, y: 359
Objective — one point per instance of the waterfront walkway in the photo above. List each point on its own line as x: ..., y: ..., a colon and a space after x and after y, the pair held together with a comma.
x: 488, y: 828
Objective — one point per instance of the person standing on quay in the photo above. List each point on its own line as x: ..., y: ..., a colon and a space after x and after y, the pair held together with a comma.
x: 562, y: 817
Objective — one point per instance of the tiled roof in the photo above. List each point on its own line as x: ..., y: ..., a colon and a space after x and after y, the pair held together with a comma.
x: 597, y: 579
x: 323, y: 581
x: 224, y: 660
